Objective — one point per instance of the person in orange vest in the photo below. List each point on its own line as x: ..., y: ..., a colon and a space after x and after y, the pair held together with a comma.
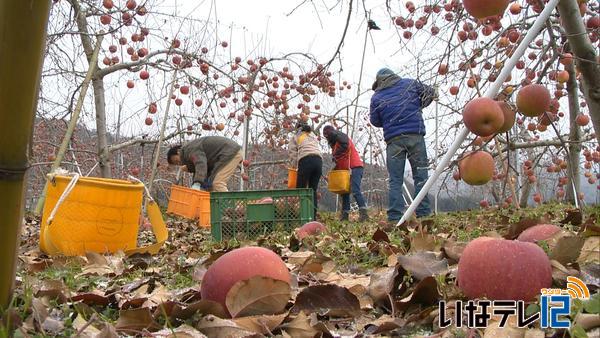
x: 305, y: 155
x: 345, y: 156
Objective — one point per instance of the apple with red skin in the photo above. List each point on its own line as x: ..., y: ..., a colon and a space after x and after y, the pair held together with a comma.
x: 224, y: 44
x: 501, y: 269
x: 509, y: 116
x: 105, y: 19
x: 130, y: 84
x: 239, y: 265
x: 131, y: 4
x: 476, y: 168
x: 454, y: 90
x: 582, y: 120
x: 144, y: 75
x: 533, y: 100
x: 483, y: 116
x: 198, y: 102
x: 152, y: 108
x: 108, y: 4
x: 220, y: 127
x: 538, y: 232
x: 310, y: 229
x: 246, y: 163
x: 135, y: 171
x: 484, y: 204
x: 481, y: 9
x: 148, y: 121
x: 184, y: 90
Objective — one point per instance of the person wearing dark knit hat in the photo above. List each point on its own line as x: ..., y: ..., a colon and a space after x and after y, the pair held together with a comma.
x: 345, y: 156
x: 396, y: 106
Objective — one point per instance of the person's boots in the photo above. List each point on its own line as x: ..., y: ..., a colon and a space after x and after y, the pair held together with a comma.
x: 364, y: 215
x: 344, y: 216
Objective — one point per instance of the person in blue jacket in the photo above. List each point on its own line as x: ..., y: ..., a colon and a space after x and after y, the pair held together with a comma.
x: 396, y: 106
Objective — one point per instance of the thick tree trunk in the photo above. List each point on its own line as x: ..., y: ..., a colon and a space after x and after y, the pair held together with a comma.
x: 99, y: 93
x: 22, y: 38
x: 574, y: 135
x: 584, y: 52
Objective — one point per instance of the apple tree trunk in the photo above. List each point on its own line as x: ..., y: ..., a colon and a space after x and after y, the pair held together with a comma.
x: 99, y: 92
x: 585, y: 54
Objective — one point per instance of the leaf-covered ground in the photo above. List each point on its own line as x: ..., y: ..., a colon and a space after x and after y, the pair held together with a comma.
x: 355, y: 280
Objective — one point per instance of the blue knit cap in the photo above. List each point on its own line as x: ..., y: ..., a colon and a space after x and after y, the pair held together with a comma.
x: 385, y: 72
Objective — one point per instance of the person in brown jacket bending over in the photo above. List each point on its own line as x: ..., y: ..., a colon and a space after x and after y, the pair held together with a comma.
x: 212, y: 160
x: 305, y: 155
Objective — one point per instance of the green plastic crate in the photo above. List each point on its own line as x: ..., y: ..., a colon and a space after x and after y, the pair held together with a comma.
x: 236, y: 214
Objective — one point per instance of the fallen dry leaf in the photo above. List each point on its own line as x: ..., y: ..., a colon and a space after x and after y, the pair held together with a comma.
x: 453, y: 250
x: 424, y: 294
x: 384, y: 325
x: 329, y: 300
x: 92, y: 298
x: 203, y: 307
x: 567, y: 249
x: 84, y: 328
x: 221, y: 328
x: 261, y: 324
x: 384, y: 282
x: 53, y: 290
x: 132, y: 321
x: 590, y: 251
x: 300, y: 327
x: 423, y: 264
x: 257, y: 296
x: 423, y: 242
x: 183, y: 331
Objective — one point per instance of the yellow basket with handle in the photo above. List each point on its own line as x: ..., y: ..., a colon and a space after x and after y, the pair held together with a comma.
x: 338, y: 181
x: 83, y: 214
x: 292, y: 178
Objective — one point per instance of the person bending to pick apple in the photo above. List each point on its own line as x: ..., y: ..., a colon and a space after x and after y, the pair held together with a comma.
x: 345, y: 156
x: 212, y: 160
x: 396, y: 106
x: 305, y: 155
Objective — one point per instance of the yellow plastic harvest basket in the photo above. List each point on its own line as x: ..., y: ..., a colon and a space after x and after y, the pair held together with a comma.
x: 190, y: 203
x: 98, y: 215
x: 339, y: 181
x: 292, y: 178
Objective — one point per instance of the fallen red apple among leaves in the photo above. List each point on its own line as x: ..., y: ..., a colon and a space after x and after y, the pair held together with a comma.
x: 310, y: 229
x: 501, y: 269
x: 538, y: 232
x: 238, y: 265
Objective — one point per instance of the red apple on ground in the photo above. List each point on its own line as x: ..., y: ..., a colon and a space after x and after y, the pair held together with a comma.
x: 310, y: 229
x: 483, y: 116
x: 538, y: 232
x: 238, y: 265
x: 533, y: 100
x: 501, y: 269
x: 476, y: 168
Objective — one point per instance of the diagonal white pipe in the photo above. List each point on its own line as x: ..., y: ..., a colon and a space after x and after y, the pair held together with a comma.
x: 540, y: 21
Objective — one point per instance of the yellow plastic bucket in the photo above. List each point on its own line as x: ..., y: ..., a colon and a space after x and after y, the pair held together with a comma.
x: 339, y: 181
x: 99, y: 215
x: 292, y: 178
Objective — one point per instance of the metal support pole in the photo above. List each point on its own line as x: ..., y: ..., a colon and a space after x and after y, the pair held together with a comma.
x: 535, y: 29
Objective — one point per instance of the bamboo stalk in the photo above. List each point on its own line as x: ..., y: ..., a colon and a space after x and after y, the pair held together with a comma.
x: 72, y: 123
x: 22, y: 40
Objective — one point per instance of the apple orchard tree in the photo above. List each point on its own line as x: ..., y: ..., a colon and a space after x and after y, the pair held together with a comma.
x: 146, y: 50
x: 149, y: 57
x: 461, y: 47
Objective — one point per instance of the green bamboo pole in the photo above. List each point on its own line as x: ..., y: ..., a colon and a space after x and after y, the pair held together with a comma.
x: 72, y: 124
x: 22, y: 39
